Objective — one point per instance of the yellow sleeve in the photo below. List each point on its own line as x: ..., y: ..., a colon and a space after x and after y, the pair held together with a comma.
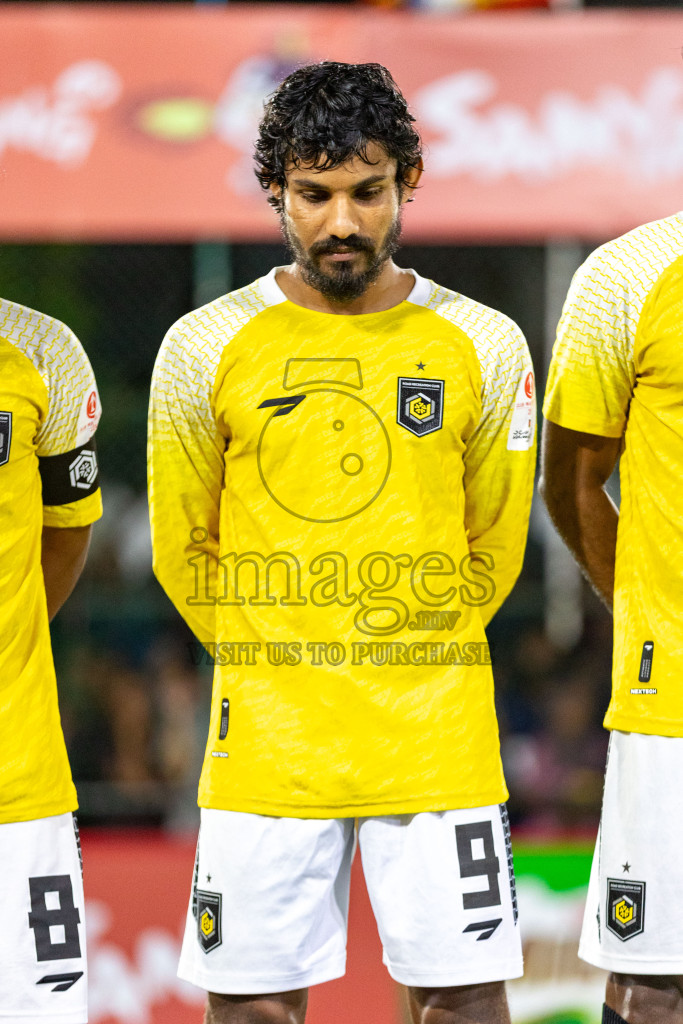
x: 185, y: 477
x: 591, y: 374
x: 500, y: 460
x: 75, y: 513
x: 73, y: 412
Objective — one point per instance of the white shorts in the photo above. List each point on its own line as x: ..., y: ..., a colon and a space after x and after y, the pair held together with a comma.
x: 43, y: 977
x: 634, y: 908
x: 270, y: 899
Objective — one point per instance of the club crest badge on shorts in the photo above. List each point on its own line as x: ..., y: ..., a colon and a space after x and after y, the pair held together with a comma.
x: 420, y: 405
x: 625, y: 908
x: 209, y: 905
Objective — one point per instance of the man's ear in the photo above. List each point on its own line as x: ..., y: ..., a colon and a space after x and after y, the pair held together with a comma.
x: 276, y: 192
x: 412, y: 178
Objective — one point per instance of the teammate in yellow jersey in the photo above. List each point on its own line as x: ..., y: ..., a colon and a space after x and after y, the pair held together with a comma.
x: 615, y: 390
x: 341, y: 464
x: 49, y: 496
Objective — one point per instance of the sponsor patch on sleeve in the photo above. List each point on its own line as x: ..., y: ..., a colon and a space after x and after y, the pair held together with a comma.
x: 521, y: 433
x: 89, y: 416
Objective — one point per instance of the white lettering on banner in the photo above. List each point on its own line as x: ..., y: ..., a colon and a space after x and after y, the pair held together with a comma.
x: 640, y: 137
x: 53, y: 123
x: 127, y: 989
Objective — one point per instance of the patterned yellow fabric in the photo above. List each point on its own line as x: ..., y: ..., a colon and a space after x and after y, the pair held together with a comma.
x: 322, y: 541
x: 45, y: 384
x: 617, y: 369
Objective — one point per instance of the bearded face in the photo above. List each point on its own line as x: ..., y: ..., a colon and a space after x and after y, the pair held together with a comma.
x: 341, y: 280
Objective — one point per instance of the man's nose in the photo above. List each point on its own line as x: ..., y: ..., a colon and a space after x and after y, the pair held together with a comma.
x: 341, y: 219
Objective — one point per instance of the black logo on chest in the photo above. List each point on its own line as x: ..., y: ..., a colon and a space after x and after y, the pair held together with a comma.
x: 420, y: 405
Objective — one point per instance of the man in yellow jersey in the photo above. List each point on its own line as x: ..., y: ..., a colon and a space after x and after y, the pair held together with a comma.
x: 49, y: 496
x: 615, y: 389
x: 341, y: 468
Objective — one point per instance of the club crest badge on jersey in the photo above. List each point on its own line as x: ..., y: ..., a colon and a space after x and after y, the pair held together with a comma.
x: 420, y: 405
x: 5, y: 436
x: 209, y: 919
x: 625, y: 908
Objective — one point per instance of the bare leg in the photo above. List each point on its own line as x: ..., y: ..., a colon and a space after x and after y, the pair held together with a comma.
x: 646, y: 998
x: 464, y: 1004
x: 274, y: 1008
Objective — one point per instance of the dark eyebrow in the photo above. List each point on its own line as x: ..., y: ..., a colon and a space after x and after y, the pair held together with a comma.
x: 373, y: 179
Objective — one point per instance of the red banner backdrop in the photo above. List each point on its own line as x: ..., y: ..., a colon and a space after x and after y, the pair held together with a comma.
x: 138, y: 123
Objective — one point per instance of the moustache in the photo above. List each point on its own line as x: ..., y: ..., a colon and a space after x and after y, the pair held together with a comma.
x: 354, y: 243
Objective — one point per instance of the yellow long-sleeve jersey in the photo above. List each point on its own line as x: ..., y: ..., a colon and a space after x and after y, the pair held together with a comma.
x: 49, y: 409
x: 319, y: 488
x: 617, y: 371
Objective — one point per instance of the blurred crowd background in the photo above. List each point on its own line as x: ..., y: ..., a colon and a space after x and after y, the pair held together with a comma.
x: 134, y: 704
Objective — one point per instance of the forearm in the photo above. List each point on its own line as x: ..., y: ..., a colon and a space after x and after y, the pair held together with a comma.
x: 575, y: 469
x: 588, y: 527
x: 64, y: 551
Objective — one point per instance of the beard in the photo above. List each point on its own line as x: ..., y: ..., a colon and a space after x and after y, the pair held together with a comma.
x: 344, y: 283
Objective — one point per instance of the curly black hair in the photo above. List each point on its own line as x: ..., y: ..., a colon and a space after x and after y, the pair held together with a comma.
x: 325, y: 114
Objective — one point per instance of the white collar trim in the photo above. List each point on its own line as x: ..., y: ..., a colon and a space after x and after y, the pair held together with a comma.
x: 273, y: 294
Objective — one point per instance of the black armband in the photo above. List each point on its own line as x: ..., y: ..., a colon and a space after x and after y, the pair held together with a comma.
x: 71, y: 476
